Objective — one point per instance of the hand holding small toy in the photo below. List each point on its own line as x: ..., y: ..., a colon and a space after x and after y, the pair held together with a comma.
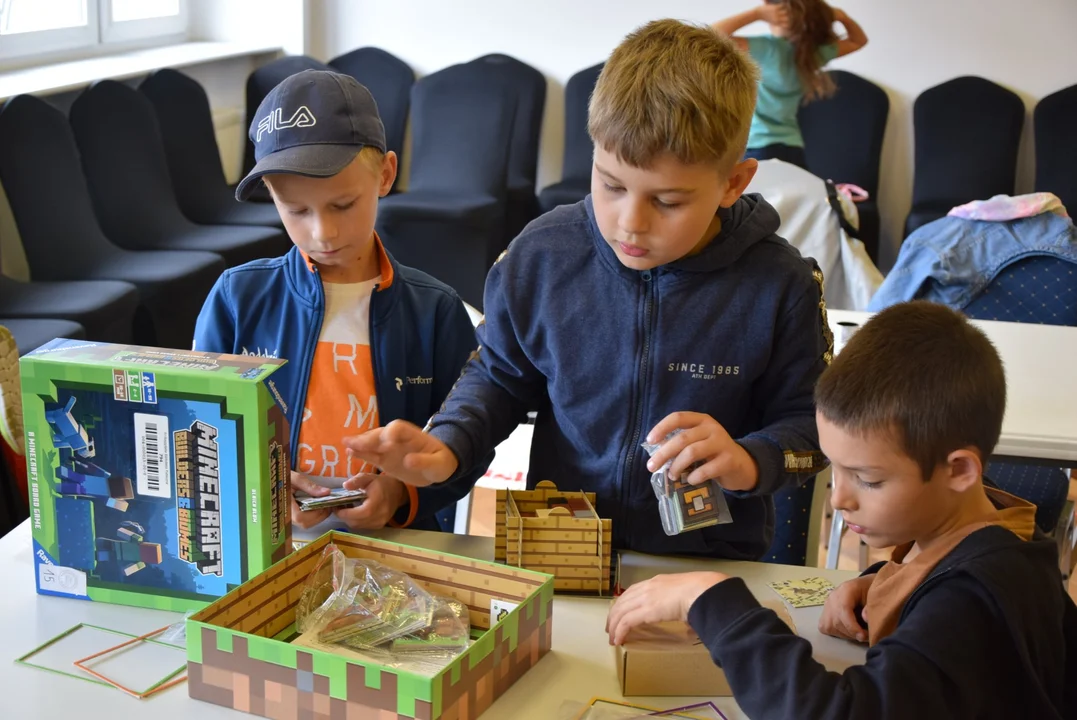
x: 702, y: 440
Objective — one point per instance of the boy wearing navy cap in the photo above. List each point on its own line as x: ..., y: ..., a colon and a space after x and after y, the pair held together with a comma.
x: 367, y: 340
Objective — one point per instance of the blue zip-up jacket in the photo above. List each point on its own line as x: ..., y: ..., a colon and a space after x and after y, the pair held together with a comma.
x: 951, y: 260
x: 603, y: 353
x: 420, y: 338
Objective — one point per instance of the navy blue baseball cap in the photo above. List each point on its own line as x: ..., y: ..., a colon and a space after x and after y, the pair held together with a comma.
x: 313, y: 123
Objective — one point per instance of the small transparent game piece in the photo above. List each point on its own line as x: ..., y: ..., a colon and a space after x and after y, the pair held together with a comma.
x: 683, y: 507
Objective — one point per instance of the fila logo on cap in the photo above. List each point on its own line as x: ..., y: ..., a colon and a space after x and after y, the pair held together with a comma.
x: 302, y: 117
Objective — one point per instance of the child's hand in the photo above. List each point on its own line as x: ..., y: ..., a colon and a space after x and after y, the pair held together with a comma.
x: 384, y: 496
x: 404, y: 451
x: 303, y: 483
x: 705, y: 441
x: 662, y: 598
x: 839, y: 610
x: 774, y: 14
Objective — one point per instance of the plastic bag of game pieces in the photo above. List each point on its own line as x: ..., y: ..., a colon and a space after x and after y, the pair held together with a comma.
x: 361, y: 603
x: 447, y: 635
x: 683, y: 507
x: 430, y: 649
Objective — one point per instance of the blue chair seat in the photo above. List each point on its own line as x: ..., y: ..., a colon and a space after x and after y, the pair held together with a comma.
x: 566, y: 192
x: 792, y: 516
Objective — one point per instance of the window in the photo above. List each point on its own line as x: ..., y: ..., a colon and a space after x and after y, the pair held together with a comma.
x: 127, y: 10
x: 23, y: 17
x: 33, y: 27
x: 29, y: 27
x: 124, y: 20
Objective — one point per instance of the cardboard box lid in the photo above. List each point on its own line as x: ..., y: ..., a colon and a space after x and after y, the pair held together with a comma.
x: 669, y: 659
x: 138, y: 357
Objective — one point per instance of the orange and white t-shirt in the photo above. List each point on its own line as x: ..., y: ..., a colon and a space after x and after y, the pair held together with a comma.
x: 341, y: 396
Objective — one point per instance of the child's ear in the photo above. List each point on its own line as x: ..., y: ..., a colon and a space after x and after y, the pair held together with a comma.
x: 388, y: 173
x: 965, y: 469
x: 738, y: 179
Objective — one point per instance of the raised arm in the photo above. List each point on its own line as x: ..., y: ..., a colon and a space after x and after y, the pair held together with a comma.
x: 855, y: 37
x: 775, y: 14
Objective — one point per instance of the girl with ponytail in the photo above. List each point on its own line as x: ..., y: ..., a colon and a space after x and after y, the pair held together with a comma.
x: 791, y: 61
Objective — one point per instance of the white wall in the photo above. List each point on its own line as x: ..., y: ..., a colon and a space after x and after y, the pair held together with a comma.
x: 915, y: 44
x: 265, y: 22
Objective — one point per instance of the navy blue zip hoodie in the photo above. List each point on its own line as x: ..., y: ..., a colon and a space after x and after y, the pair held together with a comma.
x: 420, y: 337
x: 603, y: 353
x: 991, y: 633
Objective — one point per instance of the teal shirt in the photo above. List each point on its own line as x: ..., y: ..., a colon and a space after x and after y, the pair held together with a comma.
x: 780, y: 91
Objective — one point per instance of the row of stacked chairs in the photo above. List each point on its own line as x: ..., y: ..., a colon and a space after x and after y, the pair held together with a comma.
x: 476, y: 128
x: 137, y: 173
x: 113, y: 254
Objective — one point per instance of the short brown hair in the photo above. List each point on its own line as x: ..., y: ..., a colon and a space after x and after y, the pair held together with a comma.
x: 924, y: 373
x: 672, y: 87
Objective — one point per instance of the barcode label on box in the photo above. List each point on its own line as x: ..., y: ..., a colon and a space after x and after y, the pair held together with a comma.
x: 153, y: 452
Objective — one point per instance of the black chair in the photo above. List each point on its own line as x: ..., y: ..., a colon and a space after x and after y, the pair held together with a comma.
x: 194, y: 159
x: 1056, y: 145
x: 527, y: 86
x: 259, y: 84
x: 1035, y: 289
x: 32, y: 334
x: 843, y: 142
x: 123, y: 159
x: 105, y: 308
x: 389, y: 80
x: 792, y: 518
x: 39, y: 161
x: 967, y: 131
x: 451, y: 221
x: 579, y: 152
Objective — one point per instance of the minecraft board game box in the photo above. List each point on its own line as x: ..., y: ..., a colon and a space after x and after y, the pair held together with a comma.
x: 158, y: 478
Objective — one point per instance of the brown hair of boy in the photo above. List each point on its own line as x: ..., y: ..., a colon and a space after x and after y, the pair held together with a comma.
x: 924, y: 373
x: 672, y: 87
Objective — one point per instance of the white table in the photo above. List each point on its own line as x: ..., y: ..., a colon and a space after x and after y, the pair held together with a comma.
x: 1041, y: 386
x: 579, y: 667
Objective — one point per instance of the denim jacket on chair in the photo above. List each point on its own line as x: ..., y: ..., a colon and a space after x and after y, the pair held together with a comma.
x: 950, y: 261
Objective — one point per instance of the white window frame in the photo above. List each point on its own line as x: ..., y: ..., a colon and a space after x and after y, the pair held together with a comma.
x: 41, y: 42
x: 98, y: 33
x: 133, y: 30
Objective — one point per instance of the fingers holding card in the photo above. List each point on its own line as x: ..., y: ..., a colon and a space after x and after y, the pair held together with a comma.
x: 338, y: 497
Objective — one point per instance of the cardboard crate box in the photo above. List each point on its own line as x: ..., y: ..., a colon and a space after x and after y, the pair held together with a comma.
x: 158, y: 478
x: 575, y: 550
x: 668, y: 659
x: 239, y: 655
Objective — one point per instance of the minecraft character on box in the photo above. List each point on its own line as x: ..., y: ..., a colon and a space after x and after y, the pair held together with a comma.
x: 129, y: 550
x: 188, y: 455
x: 67, y: 432
x: 87, y: 479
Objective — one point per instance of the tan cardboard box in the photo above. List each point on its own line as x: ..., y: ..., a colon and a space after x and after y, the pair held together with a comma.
x: 669, y: 659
